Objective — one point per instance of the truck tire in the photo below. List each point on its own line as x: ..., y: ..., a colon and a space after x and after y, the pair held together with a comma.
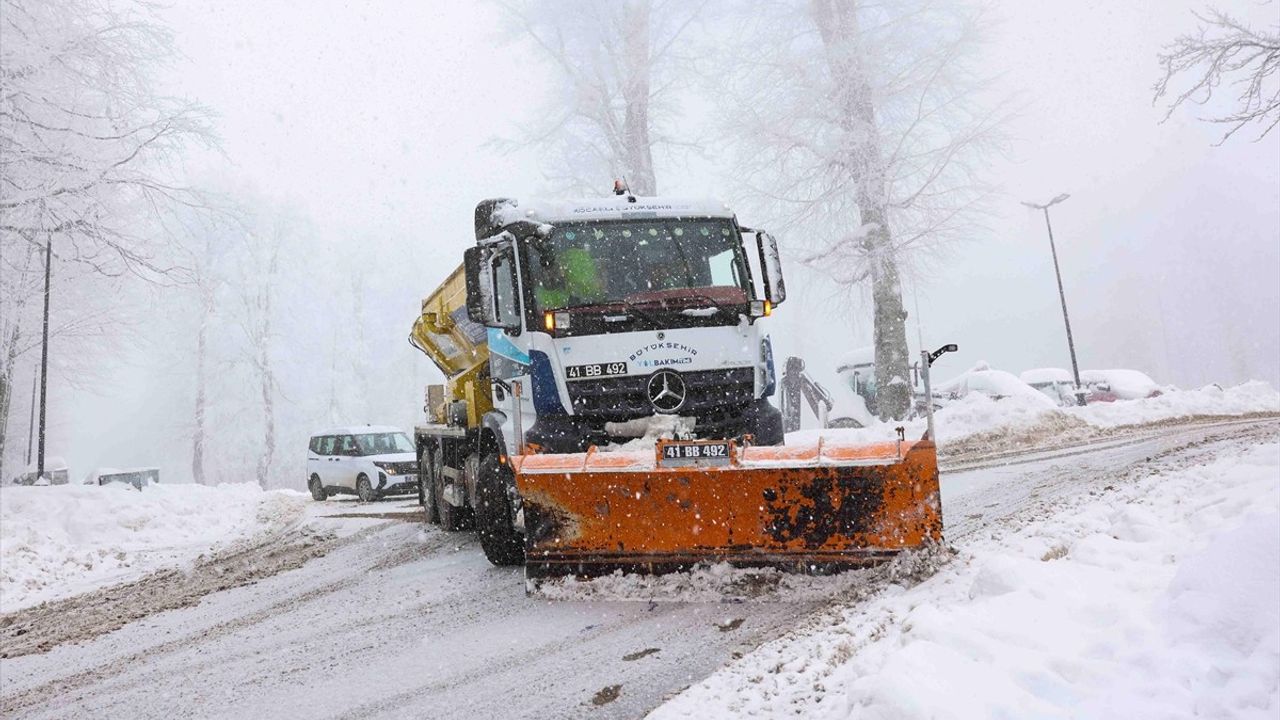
x: 426, y: 486
x: 495, y: 522
x: 766, y: 424
x: 450, y: 518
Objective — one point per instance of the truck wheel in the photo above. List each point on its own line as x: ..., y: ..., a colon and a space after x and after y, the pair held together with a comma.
x: 495, y: 521
x: 426, y: 487
x: 766, y: 424
x: 317, y: 489
x: 450, y: 518
x: 364, y: 489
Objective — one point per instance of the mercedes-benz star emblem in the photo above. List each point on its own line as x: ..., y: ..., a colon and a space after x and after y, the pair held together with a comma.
x: 666, y: 391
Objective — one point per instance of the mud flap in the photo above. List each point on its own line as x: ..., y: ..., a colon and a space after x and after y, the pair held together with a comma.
x: 814, y: 508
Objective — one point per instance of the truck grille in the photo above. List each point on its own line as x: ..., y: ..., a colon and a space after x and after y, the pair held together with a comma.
x: 709, y: 392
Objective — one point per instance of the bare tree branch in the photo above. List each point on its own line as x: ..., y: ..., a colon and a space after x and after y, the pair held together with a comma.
x: 1224, y: 50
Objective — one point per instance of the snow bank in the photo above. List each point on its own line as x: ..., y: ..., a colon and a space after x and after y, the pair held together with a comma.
x: 63, y: 540
x: 1251, y: 397
x: 1160, y: 599
x: 1035, y: 416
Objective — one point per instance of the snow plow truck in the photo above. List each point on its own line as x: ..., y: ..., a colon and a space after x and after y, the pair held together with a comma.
x: 606, y: 403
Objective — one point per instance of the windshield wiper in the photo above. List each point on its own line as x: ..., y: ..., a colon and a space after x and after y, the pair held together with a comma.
x: 646, y: 314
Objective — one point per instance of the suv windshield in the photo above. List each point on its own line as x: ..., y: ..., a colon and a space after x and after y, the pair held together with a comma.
x: 384, y: 443
x: 638, y: 261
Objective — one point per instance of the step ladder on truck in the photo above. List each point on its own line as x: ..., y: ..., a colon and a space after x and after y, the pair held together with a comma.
x: 573, y: 329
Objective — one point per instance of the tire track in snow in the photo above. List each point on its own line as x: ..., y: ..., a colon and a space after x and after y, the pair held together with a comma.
x: 41, y: 628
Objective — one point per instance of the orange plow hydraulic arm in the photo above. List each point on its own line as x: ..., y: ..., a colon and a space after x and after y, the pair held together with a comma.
x: 812, y: 508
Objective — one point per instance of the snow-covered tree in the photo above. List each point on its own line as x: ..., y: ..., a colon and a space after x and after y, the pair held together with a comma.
x: 859, y: 123
x: 1224, y: 50
x: 85, y: 142
x: 616, y: 63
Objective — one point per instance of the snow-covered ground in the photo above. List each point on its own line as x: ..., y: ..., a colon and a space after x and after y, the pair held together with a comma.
x: 1035, y: 416
x: 62, y: 540
x: 1156, y: 599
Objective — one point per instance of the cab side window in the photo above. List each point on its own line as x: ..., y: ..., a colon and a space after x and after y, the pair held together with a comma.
x: 326, y: 445
x: 506, y: 297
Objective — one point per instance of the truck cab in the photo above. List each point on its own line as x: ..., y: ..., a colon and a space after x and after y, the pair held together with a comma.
x: 609, y: 313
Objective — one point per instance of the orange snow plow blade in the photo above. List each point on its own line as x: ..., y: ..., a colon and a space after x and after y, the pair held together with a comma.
x: 814, y: 508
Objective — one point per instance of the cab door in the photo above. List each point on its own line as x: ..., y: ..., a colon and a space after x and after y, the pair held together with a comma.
x: 509, y: 341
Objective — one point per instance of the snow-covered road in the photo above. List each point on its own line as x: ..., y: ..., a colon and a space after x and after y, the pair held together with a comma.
x: 382, y: 617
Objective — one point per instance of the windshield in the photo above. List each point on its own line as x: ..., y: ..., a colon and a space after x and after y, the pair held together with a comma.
x: 384, y: 443
x: 638, y: 261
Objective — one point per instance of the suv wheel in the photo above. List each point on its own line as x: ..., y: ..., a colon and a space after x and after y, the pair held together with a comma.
x: 317, y: 489
x: 364, y: 489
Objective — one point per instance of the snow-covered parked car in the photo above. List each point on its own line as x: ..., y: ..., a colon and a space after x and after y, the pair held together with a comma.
x: 1055, y: 383
x: 995, y: 384
x: 1112, y: 385
x: 137, y: 477
x: 369, y: 461
x: 56, y: 472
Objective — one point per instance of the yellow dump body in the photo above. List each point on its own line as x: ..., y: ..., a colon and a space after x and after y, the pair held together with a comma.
x: 457, y: 346
x: 809, y: 508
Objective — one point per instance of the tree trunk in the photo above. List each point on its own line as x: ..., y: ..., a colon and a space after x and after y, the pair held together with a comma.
x: 198, y: 435
x: 837, y: 22
x: 6, y: 389
x: 893, y: 389
x: 268, y: 416
x: 265, y: 371
x: 635, y: 93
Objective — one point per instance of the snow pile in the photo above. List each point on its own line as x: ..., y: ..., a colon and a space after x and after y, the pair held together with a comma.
x: 723, y: 583
x: 1250, y: 397
x: 63, y: 540
x: 978, y: 420
x: 1160, y: 599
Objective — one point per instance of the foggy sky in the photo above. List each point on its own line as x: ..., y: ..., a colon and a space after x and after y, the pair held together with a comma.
x: 375, y: 120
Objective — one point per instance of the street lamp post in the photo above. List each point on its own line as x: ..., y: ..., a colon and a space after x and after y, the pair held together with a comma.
x: 1071, y: 345
x: 44, y: 353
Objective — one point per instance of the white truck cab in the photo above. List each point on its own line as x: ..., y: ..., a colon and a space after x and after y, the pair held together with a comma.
x: 608, y: 311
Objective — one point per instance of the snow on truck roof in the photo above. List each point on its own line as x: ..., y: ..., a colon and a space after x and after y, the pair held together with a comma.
x: 613, y: 207
x: 357, y: 430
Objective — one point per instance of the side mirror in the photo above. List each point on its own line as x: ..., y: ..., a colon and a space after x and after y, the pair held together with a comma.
x: 480, y: 306
x: 482, y: 296
x: 775, y: 289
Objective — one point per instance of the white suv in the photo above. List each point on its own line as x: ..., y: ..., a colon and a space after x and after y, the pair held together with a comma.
x: 370, y: 461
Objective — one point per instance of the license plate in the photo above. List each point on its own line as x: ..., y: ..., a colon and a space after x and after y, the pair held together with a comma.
x: 595, y: 370
x: 694, y: 452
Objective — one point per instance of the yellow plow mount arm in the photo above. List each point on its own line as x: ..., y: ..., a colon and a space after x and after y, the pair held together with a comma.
x: 813, y: 508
